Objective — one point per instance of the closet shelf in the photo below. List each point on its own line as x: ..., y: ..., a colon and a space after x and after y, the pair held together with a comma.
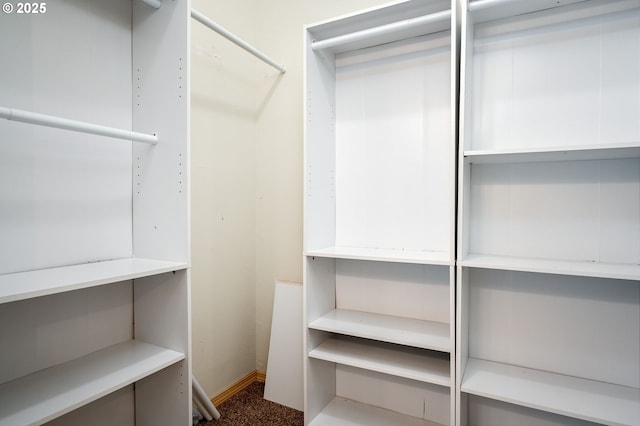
x: 577, y: 153
x: 74, y: 125
x: 52, y: 392
x: 383, y: 255
x: 25, y: 285
x: 386, y: 328
x: 384, y: 358
x: 488, y: 10
x: 345, y: 412
x: 412, y: 27
x: 569, y: 396
x: 548, y: 266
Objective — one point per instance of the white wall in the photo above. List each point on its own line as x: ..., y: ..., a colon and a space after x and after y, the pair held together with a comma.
x: 247, y: 177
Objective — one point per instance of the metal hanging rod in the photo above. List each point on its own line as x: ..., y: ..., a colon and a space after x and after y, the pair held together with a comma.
x: 74, y: 125
x: 235, y: 39
x: 381, y: 30
x: 153, y: 3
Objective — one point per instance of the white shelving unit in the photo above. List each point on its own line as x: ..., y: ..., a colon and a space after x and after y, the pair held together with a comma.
x: 94, y: 254
x: 548, y: 292
x: 380, y: 132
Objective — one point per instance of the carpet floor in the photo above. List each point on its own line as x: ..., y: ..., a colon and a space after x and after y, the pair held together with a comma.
x: 248, y: 407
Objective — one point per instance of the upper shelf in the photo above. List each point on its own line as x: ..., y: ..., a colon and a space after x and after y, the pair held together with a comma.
x: 488, y: 10
x: 548, y: 266
x: 25, y: 285
x: 382, y: 25
x: 556, y: 393
x: 383, y: 255
x: 386, y: 328
x: 573, y: 153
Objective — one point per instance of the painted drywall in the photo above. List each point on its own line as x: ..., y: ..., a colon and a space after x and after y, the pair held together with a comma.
x: 223, y: 180
x: 246, y: 177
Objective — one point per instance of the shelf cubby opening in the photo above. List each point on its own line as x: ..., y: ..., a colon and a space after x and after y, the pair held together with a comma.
x: 379, y: 186
x: 518, y: 64
x: 582, y: 215
x: 489, y: 412
x: 542, y: 353
x: 355, y: 297
x: 369, y: 397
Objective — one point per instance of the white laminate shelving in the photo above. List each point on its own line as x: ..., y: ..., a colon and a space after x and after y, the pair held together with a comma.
x: 394, y: 360
x: 548, y: 282
x: 94, y: 250
x: 553, y: 266
x: 344, y: 412
x: 383, y: 255
x: 379, y: 250
x: 386, y: 328
x: 50, y: 393
x: 42, y: 282
x: 576, y: 153
x: 556, y: 393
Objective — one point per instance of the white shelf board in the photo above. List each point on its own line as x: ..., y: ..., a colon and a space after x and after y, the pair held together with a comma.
x: 386, y: 328
x: 345, y: 412
x: 578, y: 153
x: 569, y: 396
x: 383, y: 255
x: 547, y: 266
x: 50, y: 393
x: 488, y: 10
x: 389, y: 359
x: 25, y: 285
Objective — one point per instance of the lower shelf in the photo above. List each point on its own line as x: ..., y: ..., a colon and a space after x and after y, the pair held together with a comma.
x: 555, y: 393
x: 344, y: 412
x: 50, y: 393
x: 410, y: 363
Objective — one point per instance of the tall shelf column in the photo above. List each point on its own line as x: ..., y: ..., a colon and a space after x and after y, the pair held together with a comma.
x: 548, y: 283
x: 380, y: 132
x: 94, y: 248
